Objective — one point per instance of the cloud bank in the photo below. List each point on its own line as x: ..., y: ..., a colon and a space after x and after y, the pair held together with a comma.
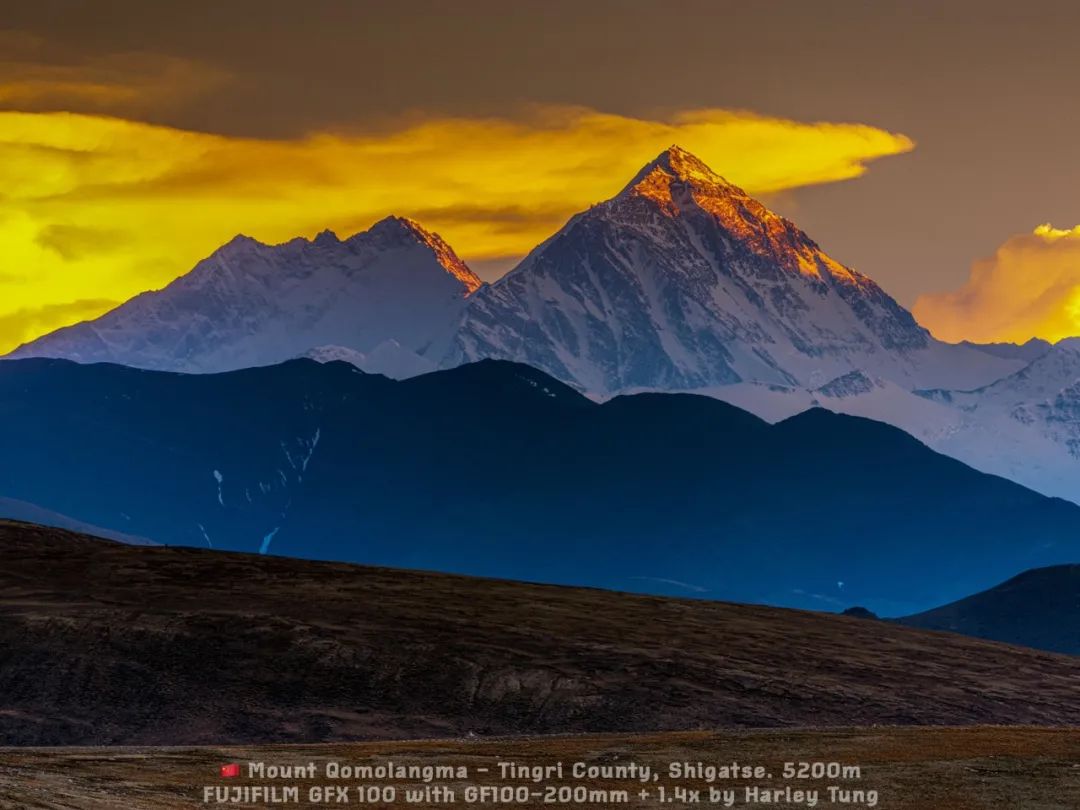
x: 1029, y: 288
x: 125, y: 84
x: 96, y: 208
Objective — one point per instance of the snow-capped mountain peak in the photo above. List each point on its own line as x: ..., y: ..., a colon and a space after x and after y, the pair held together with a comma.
x: 388, y: 359
x: 677, y: 181
x: 678, y: 165
x: 396, y: 231
x: 250, y: 303
x: 684, y: 281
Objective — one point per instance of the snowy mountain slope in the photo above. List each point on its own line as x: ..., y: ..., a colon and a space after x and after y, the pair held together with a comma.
x: 336, y: 354
x: 389, y: 358
x: 1033, y: 416
x: 252, y: 304
x: 987, y: 438
x: 853, y: 394
x: 1025, y: 427
x: 683, y: 281
x: 1032, y: 350
x: 1038, y: 387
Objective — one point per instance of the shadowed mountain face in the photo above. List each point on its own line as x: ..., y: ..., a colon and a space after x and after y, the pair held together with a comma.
x: 496, y: 469
x: 1039, y: 608
x: 102, y: 643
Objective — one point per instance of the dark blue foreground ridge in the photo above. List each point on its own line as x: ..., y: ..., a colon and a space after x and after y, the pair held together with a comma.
x: 497, y: 469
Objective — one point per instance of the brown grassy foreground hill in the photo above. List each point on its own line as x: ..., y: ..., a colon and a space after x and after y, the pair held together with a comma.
x: 108, y: 644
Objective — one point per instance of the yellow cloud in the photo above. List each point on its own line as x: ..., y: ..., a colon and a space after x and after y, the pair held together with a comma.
x: 24, y: 324
x: 95, y: 208
x: 1029, y: 288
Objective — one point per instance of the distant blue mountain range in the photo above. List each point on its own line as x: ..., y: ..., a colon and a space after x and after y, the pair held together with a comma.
x: 497, y: 469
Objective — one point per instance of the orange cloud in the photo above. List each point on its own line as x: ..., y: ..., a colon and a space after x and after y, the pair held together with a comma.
x: 96, y: 208
x: 1029, y: 288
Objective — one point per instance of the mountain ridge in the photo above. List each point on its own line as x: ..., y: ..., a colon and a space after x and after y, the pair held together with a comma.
x: 1038, y: 608
x: 720, y: 290
x: 496, y: 468
x: 250, y: 303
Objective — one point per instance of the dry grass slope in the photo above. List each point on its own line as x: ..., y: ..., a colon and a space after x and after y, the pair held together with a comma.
x: 107, y: 644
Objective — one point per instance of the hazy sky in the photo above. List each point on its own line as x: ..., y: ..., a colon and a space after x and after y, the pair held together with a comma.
x: 986, y: 91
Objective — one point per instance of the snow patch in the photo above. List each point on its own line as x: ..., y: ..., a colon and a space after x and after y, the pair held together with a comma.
x: 220, y: 480
x: 265, y: 547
